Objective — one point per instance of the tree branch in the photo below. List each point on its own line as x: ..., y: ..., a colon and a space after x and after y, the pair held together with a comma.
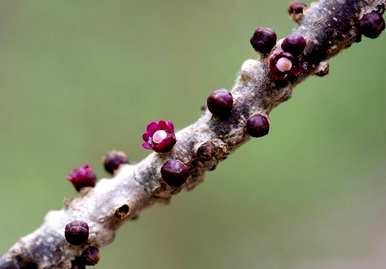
x: 329, y: 26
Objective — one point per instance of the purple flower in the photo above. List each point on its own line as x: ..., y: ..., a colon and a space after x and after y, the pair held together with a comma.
x: 83, y: 176
x: 159, y: 136
x: 283, y: 66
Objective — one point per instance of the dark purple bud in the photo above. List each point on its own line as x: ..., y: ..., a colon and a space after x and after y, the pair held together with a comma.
x: 206, y: 151
x: 113, y: 160
x: 174, y: 173
x: 83, y: 176
x: 90, y: 256
x: 294, y: 44
x: 159, y: 136
x: 263, y: 39
x: 295, y: 8
x: 282, y: 66
x: 258, y: 125
x: 76, y: 232
x: 372, y: 24
x: 220, y: 103
x: 78, y: 264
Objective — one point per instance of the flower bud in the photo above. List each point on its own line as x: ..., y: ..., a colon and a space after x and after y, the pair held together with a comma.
x: 294, y: 44
x: 220, y: 103
x: 82, y: 177
x: 174, y: 173
x: 372, y: 24
x: 76, y: 232
x: 258, y: 125
x: 113, y: 160
x: 263, y: 39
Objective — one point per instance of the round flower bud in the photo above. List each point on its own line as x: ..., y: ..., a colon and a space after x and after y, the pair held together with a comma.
x: 372, y: 24
x: 295, y: 10
x: 258, y: 125
x: 294, y: 44
x: 113, y: 160
x: 263, y: 39
x: 220, y: 103
x: 174, y: 173
x: 295, y: 7
x: 90, y: 256
x: 76, y: 232
x: 82, y: 177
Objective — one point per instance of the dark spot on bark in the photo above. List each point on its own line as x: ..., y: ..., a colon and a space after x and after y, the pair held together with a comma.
x: 26, y: 262
x: 122, y: 212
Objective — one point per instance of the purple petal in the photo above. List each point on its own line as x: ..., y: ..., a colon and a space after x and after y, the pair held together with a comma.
x: 162, y: 125
x: 170, y: 126
x: 146, y: 145
x: 145, y: 136
x: 152, y: 127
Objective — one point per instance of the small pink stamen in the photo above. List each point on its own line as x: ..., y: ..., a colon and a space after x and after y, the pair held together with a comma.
x: 284, y: 64
x: 159, y: 136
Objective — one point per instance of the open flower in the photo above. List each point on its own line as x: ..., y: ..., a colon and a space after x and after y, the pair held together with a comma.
x: 83, y: 176
x: 284, y: 66
x: 159, y: 136
x: 281, y: 64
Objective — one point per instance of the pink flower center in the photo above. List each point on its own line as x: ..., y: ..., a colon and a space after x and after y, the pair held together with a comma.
x: 284, y: 64
x: 159, y: 136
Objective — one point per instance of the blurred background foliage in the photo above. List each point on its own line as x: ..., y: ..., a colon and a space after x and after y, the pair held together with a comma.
x: 78, y: 78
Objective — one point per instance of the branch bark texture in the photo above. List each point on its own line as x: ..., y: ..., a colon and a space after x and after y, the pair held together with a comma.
x: 329, y: 26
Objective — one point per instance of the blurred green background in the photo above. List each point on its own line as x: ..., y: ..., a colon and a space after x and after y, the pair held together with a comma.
x: 78, y: 78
